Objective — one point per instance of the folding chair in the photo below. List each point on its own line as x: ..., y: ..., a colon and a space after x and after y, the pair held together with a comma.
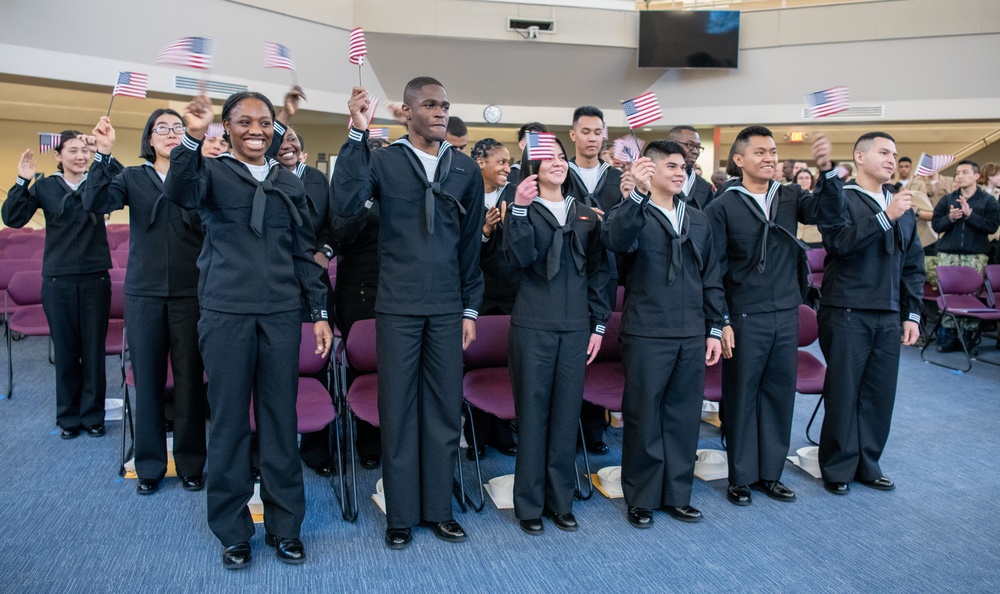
x: 25, y: 290
x: 810, y: 372
x: 314, y: 403
x: 8, y: 268
x: 961, y: 288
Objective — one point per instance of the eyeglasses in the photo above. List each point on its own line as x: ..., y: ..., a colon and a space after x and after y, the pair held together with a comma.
x: 693, y: 146
x: 163, y: 129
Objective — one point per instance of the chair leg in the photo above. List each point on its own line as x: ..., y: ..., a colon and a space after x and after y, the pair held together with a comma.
x: 126, y: 421
x: 10, y: 362
x: 813, y: 418
x: 350, y: 497
x: 464, y: 499
x: 961, y: 340
x: 578, y: 493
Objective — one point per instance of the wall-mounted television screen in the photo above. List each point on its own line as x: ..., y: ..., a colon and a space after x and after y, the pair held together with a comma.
x: 689, y: 38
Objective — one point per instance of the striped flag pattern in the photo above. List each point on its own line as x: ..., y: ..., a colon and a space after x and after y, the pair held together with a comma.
x: 642, y: 110
x: 541, y: 146
x: 823, y: 103
x: 48, y: 141
x: 215, y: 130
x: 378, y: 133
x: 928, y: 164
x: 190, y: 52
x: 131, y: 84
x: 356, y: 48
x: 604, y: 133
x: 277, y: 56
x: 628, y: 148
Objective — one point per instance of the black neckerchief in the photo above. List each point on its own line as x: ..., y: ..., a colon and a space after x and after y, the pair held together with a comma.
x: 260, y: 194
x: 553, y: 259
x: 71, y: 193
x: 431, y: 189
x: 590, y: 199
x: 769, y: 224
x: 154, y: 176
x: 677, y: 238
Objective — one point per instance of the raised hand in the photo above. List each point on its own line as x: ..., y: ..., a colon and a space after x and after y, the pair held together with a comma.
x: 642, y: 172
x: 198, y: 116
x: 26, y: 166
x: 291, y: 106
x: 900, y: 204
x: 966, y: 209
x: 822, y: 151
x: 358, y: 107
x: 104, y: 133
x: 492, y: 218
x: 527, y: 190
x: 396, y: 109
x: 628, y: 183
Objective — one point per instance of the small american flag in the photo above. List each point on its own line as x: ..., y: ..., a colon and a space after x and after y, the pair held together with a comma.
x: 628, y: 148
x: 277, y: 56
x: 357, y: 50
x: 642, y: 110
x: 191, y: 52
x: 823, y: 103
x: 131, y: 84
x: 48, y: 141
x: 928, y: 164
x: 215, y: 130
x: 604, y: 133
x: 378, y: 133
x: 541, y: 146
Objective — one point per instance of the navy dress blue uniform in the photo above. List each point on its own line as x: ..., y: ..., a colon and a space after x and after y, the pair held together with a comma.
x: 605, y: 195
x: 161, y: 312
x: 256, y: 266
x: 429, y: 280
x: 76, y: 291
x: 561, y: 301
x: 763, y: 273
x: 873, y: 281
x: 673, y: 301
x: 701, y: 192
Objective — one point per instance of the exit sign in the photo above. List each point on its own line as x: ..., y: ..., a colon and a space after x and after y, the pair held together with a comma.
x: 796, y: 136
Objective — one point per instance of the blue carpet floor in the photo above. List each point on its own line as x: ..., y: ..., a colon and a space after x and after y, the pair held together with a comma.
x: 69, y: 524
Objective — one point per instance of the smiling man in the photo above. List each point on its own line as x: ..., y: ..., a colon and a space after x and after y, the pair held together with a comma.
x: 429, y: 292
x: 753, y: 224
x: 697, y: 192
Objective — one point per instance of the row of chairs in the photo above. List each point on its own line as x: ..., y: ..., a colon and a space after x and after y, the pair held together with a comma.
x: 963, y: 293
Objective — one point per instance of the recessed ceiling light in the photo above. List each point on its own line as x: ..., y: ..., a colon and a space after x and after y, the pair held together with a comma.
x: 647, y: 129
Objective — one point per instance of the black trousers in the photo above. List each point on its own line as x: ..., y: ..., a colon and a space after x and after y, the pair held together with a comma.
x: 546, y: 372
x: 861, y: 348
x: 246, y: 353
x: 419, y: 408
x: 158, y: 326
x: 77, y: 309
x: 661, y: 407
x: 758, y: 394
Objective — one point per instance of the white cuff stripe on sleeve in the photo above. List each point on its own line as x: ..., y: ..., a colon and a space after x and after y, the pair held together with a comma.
x: 519, y: 211
x: 831, y: 174
x: 190, y: 143
x: 915, y: 317
x: 20, y: 181
x: 356, y: 135
x: 278, y: 128
x: 636, y: 196
x: 470, y: 314
x: 716, y: 333
x: 883, y: 221
x: 98, y: 157
x: 600, y: 329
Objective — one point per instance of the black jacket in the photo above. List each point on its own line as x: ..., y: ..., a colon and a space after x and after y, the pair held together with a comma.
x: 428, y: 262
x: 763, y: 264
x: 673, y: 286
x: 318, y: 199
x: 562, y: 288
x: 966, y: 235
x: 701, y: 193
x: 164, y: 239
x: 76, y: 241
x: 871, y: 262
x: 500, y: 278
x: 258, y: 254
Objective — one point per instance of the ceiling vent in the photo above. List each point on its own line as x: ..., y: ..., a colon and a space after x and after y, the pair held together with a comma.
x: 530, y: 28
x: 188, y: 83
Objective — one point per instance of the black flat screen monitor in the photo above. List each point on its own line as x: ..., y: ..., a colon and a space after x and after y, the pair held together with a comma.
x: 689, y: 38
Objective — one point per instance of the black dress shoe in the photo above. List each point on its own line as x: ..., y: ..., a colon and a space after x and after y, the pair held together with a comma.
x: 147, y: 486
x: 470, y: 453
x: 324, y: 471
x: 837, y: 488
x: 510, y: 450
x: 598, y: 448
x: 398, y: 538
x: 370, y: 462
x: 237, y: 556
x: 777, y: 491
x: 684, y: 513
x: 194, y: 482
x: 883, y: 483
x: 448, y: 531
x: 288, y: 550
x: 640, y: 517
x: 95, y: 431
x: 565, y: 521
x: 71, y: 433
x: 739, y: 495
x: 533, y: 527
